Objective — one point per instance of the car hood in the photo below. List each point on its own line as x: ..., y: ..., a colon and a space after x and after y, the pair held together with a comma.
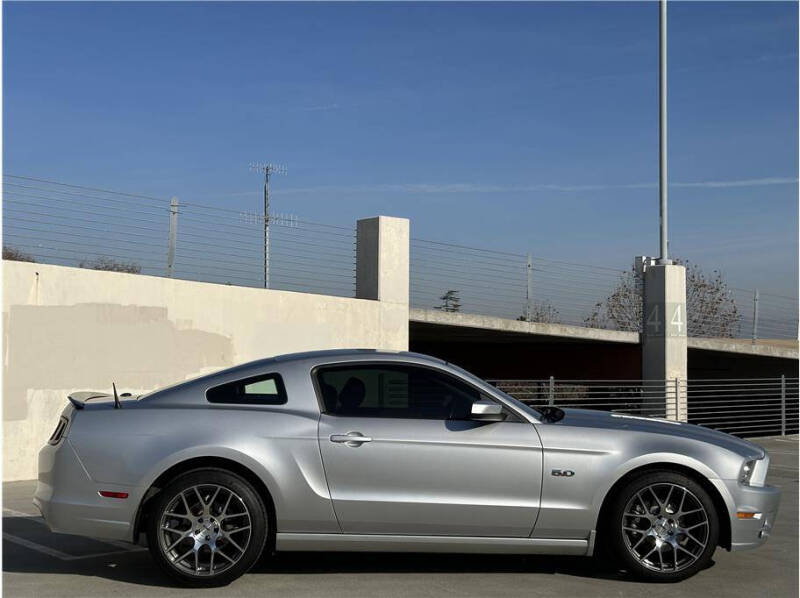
x: 619, y: 421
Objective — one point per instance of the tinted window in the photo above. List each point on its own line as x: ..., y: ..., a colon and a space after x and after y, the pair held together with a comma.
x: 258, y: 390
x: 394, y: 391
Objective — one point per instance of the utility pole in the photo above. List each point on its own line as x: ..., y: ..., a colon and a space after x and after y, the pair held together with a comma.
x: 664, y: 342
x: 662, y: 130
x: 267, y: 169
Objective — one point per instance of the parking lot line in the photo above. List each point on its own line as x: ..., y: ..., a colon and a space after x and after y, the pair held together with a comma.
x: 37, y: 547
x: 63, y: 555
x: 15, y: 513
x: 123, y: 546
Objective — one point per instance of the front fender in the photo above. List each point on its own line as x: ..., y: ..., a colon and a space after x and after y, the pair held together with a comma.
x: 662, y: 458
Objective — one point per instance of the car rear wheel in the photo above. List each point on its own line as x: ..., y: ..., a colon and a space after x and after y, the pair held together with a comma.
x: 664, y: 526
x: 207, y: 528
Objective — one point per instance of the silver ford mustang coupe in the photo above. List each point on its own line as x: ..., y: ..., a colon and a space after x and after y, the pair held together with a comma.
x: 362, y: 450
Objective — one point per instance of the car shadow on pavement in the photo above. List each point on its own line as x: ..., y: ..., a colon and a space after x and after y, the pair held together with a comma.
x: 138, y: 568
x: 366, y: 562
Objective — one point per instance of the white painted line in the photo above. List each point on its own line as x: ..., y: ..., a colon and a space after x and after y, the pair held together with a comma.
x: 129, y: 546
x: 15, y: 513
x: 63, y: 555
x: 37, y: 547
x: 99, y: 554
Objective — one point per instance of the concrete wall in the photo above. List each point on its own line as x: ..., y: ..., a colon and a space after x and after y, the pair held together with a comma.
x: 67, y: 329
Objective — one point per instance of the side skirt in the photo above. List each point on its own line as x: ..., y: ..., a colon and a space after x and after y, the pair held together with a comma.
x: 455, y: 544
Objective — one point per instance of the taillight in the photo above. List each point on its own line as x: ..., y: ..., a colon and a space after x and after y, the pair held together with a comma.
x: 58, y: 434
x: 110, y: 494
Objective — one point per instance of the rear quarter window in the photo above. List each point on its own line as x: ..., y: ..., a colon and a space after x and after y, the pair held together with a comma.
x: 266, y: 389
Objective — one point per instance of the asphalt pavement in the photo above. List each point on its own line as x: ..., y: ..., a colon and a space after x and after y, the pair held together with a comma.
x: 38, y: 563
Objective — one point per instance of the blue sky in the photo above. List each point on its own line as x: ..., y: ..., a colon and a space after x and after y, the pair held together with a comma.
x: 522, y: 127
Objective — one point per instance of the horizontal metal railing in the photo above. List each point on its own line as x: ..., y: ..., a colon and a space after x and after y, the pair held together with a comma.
x: 650, y: 397
x: 451, y: 277
x: 458, y: 278
x: 764, y: 315
x: 743, y: 407
x: 74, y: 225
x: 86, y: 226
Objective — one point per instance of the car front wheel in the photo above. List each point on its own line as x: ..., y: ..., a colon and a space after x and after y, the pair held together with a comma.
x: 664, y: 526
x: 207, y: 528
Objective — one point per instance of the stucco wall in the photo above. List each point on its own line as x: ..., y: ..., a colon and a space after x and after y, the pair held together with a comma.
x: 67, y: 329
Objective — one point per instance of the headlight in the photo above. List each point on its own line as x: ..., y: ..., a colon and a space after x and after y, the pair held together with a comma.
x: 747, y: 471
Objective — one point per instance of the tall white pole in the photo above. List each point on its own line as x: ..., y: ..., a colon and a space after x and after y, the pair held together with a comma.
x: 266, y: 227
x: 662, y: 131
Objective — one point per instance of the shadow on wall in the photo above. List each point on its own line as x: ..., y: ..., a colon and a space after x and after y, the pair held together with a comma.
x: 89, y: 345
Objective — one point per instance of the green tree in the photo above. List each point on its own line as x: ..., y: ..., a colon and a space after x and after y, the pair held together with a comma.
x: 450, y: 302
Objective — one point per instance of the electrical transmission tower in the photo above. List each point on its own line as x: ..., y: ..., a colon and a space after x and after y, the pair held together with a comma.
x: 267, y: 170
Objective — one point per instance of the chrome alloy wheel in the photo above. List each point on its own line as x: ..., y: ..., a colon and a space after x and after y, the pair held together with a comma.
x: 665, y: 527
x: 204, y: 530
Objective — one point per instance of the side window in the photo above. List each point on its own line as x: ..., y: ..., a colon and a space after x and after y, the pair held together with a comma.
x: 394, y: 391
x: 258, y: 390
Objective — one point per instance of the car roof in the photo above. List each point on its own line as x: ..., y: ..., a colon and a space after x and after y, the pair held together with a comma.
x: 309, y: 358
x: 325, y: 355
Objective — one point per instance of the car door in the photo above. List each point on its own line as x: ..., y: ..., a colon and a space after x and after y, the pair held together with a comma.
x: 401, y: 455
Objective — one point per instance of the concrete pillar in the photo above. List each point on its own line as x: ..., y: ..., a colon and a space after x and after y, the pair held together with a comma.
x: 382, y: 273
x: 664, y: 334
x: 382, y: 256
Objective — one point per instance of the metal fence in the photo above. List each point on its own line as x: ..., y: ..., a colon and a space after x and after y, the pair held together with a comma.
x: 743, y: 407
x: 765, y: 315
x: 452, y: 277
x: 74, y: 225
x: 458, y: 278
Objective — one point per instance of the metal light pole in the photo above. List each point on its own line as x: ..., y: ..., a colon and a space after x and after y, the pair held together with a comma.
x: 662, y: 131
x: 268, y: 170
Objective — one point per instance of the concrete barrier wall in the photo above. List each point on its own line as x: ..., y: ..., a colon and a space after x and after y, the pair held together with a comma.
x: 67, y: 329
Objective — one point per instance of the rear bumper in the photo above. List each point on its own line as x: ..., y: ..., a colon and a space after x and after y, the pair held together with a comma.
x: 68, y: 498
x: 761, y: 500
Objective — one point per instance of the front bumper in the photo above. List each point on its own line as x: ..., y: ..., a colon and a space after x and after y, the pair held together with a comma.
x: 68, y: 498
x: 761, y: 500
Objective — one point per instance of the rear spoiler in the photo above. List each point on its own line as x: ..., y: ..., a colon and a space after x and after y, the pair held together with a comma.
x: 79, y: 399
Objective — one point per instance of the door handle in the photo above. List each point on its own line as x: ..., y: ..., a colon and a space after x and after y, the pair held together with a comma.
x: 352, y: 439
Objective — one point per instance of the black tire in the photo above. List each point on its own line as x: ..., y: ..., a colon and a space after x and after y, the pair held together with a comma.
x: 167, y: 512
x: 680, y: 544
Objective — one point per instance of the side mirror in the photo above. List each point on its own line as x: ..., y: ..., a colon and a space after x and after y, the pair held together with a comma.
x: 487, y: 411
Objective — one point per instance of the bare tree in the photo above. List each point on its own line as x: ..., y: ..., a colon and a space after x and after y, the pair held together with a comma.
x: 16, y: 255
x: 622, y: 309
x: 542, y: 311
x: 710, y: 306
x: 111, y: 265
x: 450, y: 302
